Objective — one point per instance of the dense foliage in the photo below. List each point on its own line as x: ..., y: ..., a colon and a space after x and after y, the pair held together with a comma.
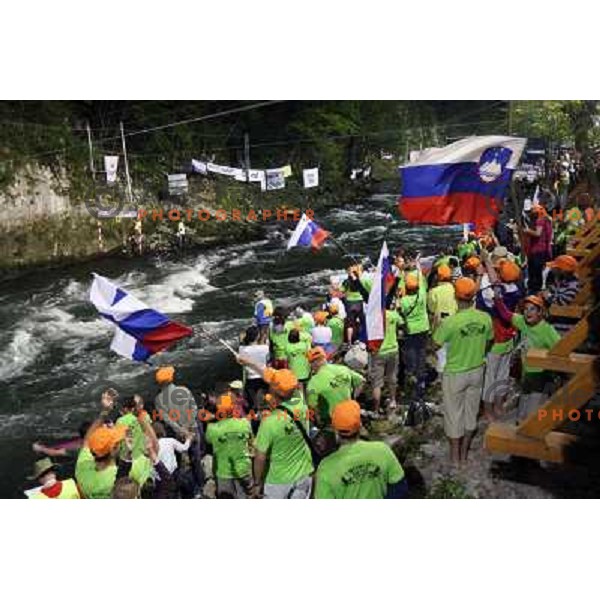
x: 336, y: 135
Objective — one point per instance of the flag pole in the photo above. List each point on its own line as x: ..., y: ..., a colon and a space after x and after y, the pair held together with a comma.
x: 344, y: 251
x: 216, y: 338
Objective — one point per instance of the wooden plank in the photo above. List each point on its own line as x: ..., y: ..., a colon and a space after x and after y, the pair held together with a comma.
x: 578, y: 390
x: 572, y: 340
x: 584, y: 295
x: 503, y: 438
x: 569, y: 311
x: 544, y: 359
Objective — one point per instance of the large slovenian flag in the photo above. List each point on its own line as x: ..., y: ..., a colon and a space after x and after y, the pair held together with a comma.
x: 375, y: 313
x: 140, y: 331
x: 460, y: 183
x: 309, y: 234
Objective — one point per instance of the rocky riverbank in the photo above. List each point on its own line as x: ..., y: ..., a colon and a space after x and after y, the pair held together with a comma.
x: 46, y: 223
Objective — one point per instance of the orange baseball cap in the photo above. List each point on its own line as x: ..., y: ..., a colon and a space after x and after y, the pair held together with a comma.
x: 165, y: 375
x: 508, y: 271
x: 535, y: 300
x: 316, y: 353
x: 345, y: 418
x: 225, y: 404
x: 411, y: 282
x: 444, y: 273
x: 564, y: 262
x: 321, y: 317
x: 472, y: 263
x: 465, y: 288
x: 281, y: 381
x: 104, y: 439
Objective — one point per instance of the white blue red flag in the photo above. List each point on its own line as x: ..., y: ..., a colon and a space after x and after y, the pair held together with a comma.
x: 375, y: 313
x: 308, y: 234
x: 464, y: 182
x: 140, y: 331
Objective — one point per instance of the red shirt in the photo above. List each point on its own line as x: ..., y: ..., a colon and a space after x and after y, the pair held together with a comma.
x: 542, y: 244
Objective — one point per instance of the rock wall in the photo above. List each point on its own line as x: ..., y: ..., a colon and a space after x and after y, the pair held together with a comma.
x: 40, y: 224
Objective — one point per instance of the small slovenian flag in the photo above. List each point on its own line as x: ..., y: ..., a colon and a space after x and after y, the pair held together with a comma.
x: 140, y: 331
x: 308, y: 234
x: 460, y: 183
x: 375, y: 313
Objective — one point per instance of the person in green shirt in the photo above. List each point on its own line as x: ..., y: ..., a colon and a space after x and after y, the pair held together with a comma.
x: 383, y: 364
x: 295, y: 351
x: 355, y: 294
x: 358, y: 469
x: 97, y: 470
x: 283, y: 464
x: 441, y: 300
x: 413, y: 314
x: 536, y: 332
x: 230, y: 437
x: 468, y: 336
x: 330, y: 385
x: 278, y: 339
x: 468, y: 248
x: 130, y: 420
x: 337, y: 326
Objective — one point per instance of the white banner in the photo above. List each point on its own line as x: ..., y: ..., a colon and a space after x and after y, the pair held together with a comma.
x: 255, y: 175
x: 110, y: 166
x: 178, y: 183
x: 222, y: 169
x: 310, y: 177
x: 275, y: 179
x: 239, y: 174
x: 199, y: 166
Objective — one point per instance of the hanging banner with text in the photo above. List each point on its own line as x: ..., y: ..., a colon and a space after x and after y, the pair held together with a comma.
x: 110, y: 166
x: 310, y: 177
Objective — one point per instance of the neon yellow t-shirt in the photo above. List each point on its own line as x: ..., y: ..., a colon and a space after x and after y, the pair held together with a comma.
x: 442, y: 299
x: 279, y: 438
x: 330, y: 386
x: 390, y: 340
x: 230, y: 439
x: 297, y: 360
x: 466, y: 334
x: 358, y: 470
x: 543, y: 336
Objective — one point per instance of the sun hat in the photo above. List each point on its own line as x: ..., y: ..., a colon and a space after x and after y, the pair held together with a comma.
x: 104, y: 439
x: 465, y: 288
x: 345, y: 418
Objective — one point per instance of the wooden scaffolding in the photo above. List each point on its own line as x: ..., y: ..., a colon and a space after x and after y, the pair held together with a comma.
x: 538, y: 436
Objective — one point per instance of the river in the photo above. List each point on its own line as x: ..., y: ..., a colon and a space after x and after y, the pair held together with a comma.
x: 55, y: 353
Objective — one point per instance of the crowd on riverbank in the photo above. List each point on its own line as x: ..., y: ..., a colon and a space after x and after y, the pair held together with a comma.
x: 294, y: 425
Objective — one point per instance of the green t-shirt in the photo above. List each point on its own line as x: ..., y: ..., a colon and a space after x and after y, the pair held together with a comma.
x: 502, y: 347
x: 279, y: 341
x: 230, y: 439
x: 442, y: 299
x: 139, y: 438
x: 96, y: 484
x: 467, y: 333
x: 543, y: 336
x: 279, y: 438
x: 413, y: 312
x: 356, y: 296
x: 330, y: 386
x: 297, y: 360
x: 306, y: 322
x: 337, y: 330
x: 358, y: 470
x: 390, y: 340
x: 467, y: 249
